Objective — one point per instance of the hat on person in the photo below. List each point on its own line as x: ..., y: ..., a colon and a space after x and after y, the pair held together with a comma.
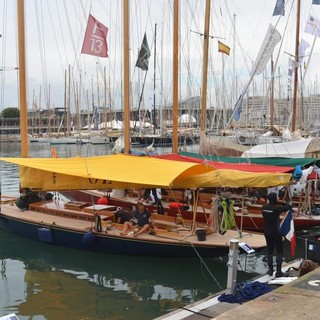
x: 272, y: 197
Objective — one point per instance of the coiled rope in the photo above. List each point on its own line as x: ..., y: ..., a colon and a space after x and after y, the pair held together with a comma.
x: 245, y: 291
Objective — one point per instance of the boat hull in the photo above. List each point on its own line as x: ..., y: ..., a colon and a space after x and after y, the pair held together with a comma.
x: 159, y: 141
x: 104, y: 243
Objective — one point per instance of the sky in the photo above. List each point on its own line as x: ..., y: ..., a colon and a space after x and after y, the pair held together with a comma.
x: 54, y: 31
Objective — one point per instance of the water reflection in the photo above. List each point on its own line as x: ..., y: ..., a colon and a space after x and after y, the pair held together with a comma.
x: 58, y: 283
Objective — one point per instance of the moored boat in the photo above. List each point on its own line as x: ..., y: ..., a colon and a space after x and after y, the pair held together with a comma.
x: 81, y: 226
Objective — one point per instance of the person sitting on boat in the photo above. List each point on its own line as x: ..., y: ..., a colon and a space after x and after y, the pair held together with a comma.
x: 141, y: 222
x: 123, y: 215
x: 271, y: 216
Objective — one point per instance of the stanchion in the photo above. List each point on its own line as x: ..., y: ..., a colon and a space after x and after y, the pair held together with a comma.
x: 232, y: 265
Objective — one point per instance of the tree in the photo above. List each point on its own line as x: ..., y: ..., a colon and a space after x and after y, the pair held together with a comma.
x: 12, y: 113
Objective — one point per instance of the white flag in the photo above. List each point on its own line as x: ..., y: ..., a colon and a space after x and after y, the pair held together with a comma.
x: 313, y: 26
x: 303, y: 46
x: 271, y: 39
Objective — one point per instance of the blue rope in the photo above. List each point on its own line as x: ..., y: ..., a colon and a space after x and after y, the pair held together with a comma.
x: 245, y: 291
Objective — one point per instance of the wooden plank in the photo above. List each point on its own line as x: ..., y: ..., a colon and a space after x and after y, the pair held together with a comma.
x: 75, y: 205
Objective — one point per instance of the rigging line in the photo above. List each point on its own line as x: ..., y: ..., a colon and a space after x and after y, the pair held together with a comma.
x: 205, y: 265
x: 4, y: 46
x: 55, y: 37
x: 71, y: 36
x: 41, y: 46
x: 62, y: 36
x: 196, y: 312
x: 198, y: 255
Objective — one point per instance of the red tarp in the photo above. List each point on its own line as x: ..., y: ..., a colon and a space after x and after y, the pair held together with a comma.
x: 249, y: 167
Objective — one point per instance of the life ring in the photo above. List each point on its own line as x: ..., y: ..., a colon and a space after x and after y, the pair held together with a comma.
x: 242, y: 139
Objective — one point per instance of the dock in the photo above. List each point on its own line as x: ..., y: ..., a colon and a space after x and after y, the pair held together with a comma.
x: 296, y: 300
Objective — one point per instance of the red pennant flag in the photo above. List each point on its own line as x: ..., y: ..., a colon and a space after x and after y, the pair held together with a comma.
x: 95, y: 39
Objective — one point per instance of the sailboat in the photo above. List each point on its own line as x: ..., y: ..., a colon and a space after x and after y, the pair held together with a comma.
x: 90, y: 226
x: 248, y: 137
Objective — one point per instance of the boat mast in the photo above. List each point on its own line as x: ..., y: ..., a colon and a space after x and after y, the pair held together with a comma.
x: 205, y: 71
x: 154, y: 79
x: 295, y: 88
x: 22, y: 81
x: 272, y: 96
x: 126, y: 89
x: 65, y: 104
x: 175, y: 77
x: 105, y: 109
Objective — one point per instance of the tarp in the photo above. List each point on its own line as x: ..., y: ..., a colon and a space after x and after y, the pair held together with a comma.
x: 235, y: 179
x: 127, y: 171
x: 249, y: 167
x: 291, y: 149
x: 268, y: 161
x: 113, y: 171
x: 187, y: 118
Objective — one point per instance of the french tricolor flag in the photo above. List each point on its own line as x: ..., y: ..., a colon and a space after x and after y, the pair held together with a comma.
x: 287, y: 230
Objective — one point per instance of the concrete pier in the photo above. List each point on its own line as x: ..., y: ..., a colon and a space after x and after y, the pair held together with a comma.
x: 298, y: 299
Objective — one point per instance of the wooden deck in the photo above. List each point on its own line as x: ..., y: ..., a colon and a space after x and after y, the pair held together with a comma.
x: 55, y: 213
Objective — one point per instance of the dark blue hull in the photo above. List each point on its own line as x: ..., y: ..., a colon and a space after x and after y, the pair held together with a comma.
x: 104, y: 243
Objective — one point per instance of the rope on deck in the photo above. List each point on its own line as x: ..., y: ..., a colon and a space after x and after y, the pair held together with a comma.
x: 245, y: 291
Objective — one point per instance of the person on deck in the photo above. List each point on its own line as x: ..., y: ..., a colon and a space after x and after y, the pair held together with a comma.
x: 271, y: 216
x: 123, y: 215
x: 141, y: 222
x: 155, y: 197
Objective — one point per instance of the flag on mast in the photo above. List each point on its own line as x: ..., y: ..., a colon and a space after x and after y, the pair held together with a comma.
x: 223, y: 48
x: 313, y: 26
x: 279, y: 8
x: 95, y: 39
x: 144, y: 54
x: 271, y: 39
x: 303, y: 46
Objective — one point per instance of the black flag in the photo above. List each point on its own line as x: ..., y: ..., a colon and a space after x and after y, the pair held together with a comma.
x: 144, y: 54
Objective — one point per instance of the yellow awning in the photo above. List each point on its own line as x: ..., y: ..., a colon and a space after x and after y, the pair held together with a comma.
x: 112, y: 171
x: 234, y: 179
x: 126, y: 171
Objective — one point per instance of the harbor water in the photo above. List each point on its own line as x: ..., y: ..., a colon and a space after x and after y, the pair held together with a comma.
x: 39, y: 281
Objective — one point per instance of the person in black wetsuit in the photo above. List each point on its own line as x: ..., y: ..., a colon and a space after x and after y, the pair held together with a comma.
x: 271, y: 216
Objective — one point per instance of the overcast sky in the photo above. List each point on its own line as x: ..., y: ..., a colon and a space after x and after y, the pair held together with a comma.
x: 55, y: 31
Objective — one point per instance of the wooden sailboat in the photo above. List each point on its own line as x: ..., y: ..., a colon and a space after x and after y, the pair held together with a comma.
x: 93, y: 227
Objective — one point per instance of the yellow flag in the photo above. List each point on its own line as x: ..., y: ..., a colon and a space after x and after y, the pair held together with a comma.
x: 223, y: 48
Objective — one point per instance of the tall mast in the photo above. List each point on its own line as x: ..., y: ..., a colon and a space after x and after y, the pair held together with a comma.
x: 272, y: 96
x: 126, y: 88
x: 22, y: 81
x: 234, y: 90
x: 65, y: 103
x: 175, y: 76
x: 154, y: 79
x: 105, y: 109
x: 205, y: 70
x: 69, y: 103
x: 295, y: 88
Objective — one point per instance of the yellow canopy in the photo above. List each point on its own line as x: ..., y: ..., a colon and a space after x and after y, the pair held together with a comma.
x: 234, y: 179
x: 126, y: 171
x: 112, y: 171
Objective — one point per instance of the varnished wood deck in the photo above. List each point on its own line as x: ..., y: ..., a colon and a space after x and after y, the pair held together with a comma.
x: 55, y: 214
